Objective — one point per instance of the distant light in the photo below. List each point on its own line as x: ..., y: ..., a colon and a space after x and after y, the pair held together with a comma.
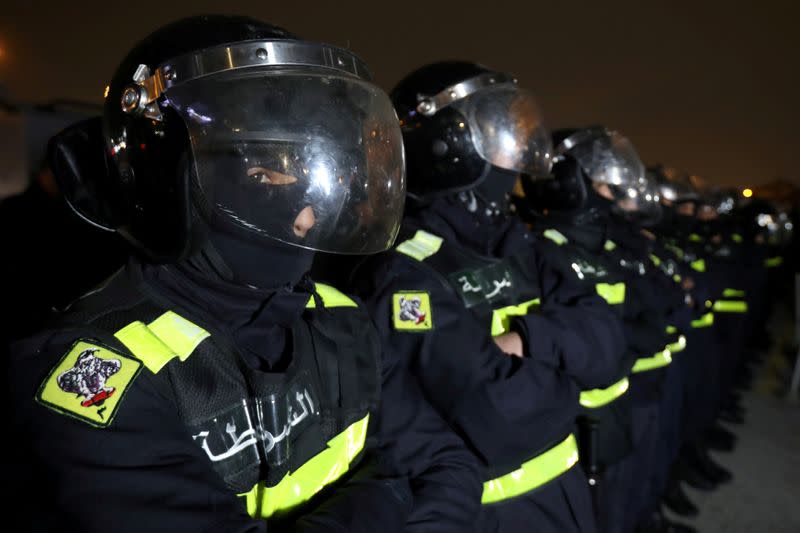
x: 105, y: 93
x: 747, y: 193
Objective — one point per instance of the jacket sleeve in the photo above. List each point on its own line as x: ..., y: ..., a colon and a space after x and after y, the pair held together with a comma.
x: 444, y: 475
x: 501, y: 405
x: 143, y: 472
x: 575, y: 329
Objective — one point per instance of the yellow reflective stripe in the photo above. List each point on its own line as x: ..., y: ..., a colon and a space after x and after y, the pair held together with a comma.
x: 676, y: 278
x: 737, y: 238
x: 592, y: 399
x: 614, y: 293
x: 730, y: 306
x: 773, y: 262
x: 671, y: 329
x: 704, y: 321
x: 677, y: 346
x: 733, y: 293
x: 555, y: 236
x: 534, y: 473
x: 312, y: 476
x: 655, y: 259
x: 168, y: 336
x: 659, y: 360
x: 421, y: 246
x: 501, y: 318
x: 609, y: 246
x: 331, y: 297
x: 699, y: 265
x: 694, y: 237
x: 674, y: 249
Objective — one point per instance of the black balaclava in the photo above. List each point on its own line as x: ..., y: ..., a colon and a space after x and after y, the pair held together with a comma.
x: 495, y: 189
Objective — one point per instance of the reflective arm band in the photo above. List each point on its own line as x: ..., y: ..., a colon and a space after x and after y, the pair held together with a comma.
x: 555, y: 236
x: 737, y: 238
x: 699, y: 265
x: 592, y: 399
x: 609, y: 246
x: 704, y: 321
x: 773, y: 262
x: 168, y: 336
x: 730, y: 306
x: 421, y: 246
x: 330, y: 297
x: 659, y: 360
x: 534, y: 473
x: 614, y: 294
x: 655, y: 259
x: 310, y: 477
x: 501, y: 318
x: 694, y: 237
x: 733, y: 293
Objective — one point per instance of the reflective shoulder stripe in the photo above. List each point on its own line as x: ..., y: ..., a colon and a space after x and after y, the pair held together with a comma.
x: 655, y: 259
x: 609, y: 246
x: 737, y: 238
x: 676, y: 278
x: 659, y: 360
x: 699, y: 265
x: 614, y: 294
x: 311, y: 477
x: 421, y: 246
x: 704, y: 321
x: 773, y: 262
x: 677, y: 346
x: 170, y: 335
x: 331, y: 297
x: 501, y: 318
x: 694, y: 237
x: 675, y: 250
x: 534, y: 473
x: 730, y: 306
x: 671, y: 329
x: 733, y: 293
x: 555, y: 236
x: 592, y: 399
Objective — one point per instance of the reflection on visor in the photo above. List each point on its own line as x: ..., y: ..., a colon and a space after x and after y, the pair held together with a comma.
x: 508, y: 130
x: 610, y: 159
x: 308, y: 159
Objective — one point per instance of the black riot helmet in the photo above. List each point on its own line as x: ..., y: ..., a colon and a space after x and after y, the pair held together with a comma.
x: 461, y: 121
x: 233, y: 123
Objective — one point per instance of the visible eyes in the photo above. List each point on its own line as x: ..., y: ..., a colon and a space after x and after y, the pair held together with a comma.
x: 270, y: 177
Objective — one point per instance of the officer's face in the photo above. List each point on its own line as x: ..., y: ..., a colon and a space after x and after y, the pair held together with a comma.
x: 305, y: 219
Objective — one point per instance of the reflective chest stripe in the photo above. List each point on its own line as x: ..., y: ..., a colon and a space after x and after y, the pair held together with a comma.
x: 677, y: 346
x: 659, y: 360
x: 733, y: 293
x: 501, y: 318
x: 614, y: 293
x: 730, y: 306
x: 592, y: 399
x: 168, y: 336
x: 704, y: 321
x: 773, y: 262
x: 312, y: 476
x: 534, y: 473
x: 171, y: 335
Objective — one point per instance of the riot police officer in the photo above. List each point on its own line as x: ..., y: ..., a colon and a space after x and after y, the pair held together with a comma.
x: 594, y: 213
x: 500, y: 342
x: 211, y: 384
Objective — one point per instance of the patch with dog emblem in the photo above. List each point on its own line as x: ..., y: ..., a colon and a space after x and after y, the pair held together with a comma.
x: 411, y: 311
x: 89, y: 383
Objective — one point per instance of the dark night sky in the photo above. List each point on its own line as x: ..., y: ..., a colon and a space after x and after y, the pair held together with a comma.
x: 706, y: 86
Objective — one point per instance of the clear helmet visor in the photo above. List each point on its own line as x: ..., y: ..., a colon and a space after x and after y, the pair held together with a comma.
x: 610, y: 159
x: 508, y: 130
x: 303, y: 156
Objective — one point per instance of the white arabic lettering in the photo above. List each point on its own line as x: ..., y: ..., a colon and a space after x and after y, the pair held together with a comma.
x: 499, y: 286
x: 466, y: 286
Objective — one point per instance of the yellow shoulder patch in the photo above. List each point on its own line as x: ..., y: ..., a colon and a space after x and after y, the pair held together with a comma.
x: 88, y: 383
x: 411, y: 311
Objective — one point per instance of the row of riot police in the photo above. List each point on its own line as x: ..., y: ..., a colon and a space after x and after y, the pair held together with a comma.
x: 529, y: 330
